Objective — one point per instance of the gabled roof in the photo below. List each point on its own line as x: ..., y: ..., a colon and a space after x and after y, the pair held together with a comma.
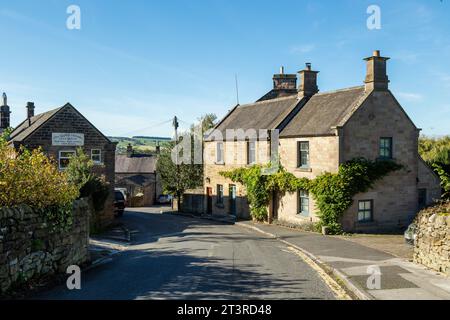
x: 324, y: 111
x: 267, y: 114
x: 136, y: 164
x: 27, y: 127
x: 24, y: 129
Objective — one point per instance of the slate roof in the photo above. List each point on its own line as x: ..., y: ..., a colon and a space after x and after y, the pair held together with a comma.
x: 24, y: 129
x: 27, y: 127
x: 324, y: 111
x: 135, y: 164
x: 278, y: 93
x: 314, y: 117
x: 138, y: 180
x: 267, y: 114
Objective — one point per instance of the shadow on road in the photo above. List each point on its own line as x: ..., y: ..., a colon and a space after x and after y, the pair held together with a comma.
x: 175, y: 257
x: 147, y: 227
x: 166, y: 274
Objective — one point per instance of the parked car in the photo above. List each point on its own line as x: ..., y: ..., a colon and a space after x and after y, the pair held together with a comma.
x: 124, y: 192
x: 165, y: 199
x: 119, y: 203
x: 411, y: 234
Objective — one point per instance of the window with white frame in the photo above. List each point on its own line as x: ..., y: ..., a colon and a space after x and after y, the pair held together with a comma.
x: 303, y: 203
x: 219, y: 153
x: 64, y: 158
x: 303, y: 154
x: 96, y: 156
x: 251, y: 152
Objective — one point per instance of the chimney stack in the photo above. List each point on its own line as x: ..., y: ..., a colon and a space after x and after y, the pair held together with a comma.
x: 376, y: 78
x: 284, y: 81
x: 30, y: 110
x: 4, y: 114
x: 129, y: 150
x: 308, y: 82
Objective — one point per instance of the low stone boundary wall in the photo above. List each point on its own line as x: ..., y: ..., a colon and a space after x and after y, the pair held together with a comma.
x: 193, y: 202
x: 432, y: 246
x: 29, y: 249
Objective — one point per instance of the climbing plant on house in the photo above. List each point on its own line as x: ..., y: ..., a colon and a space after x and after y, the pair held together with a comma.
x: 333, y: 192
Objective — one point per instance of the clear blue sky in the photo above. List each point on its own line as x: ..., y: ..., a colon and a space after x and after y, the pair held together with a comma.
x: 135, y: 63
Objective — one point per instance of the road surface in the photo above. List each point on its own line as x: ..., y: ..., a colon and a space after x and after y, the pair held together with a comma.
x: 176, y: 257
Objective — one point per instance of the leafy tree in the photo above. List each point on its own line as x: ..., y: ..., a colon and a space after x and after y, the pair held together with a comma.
x: 177, y: 179
x: 436, y: 152
x: 445, y: 180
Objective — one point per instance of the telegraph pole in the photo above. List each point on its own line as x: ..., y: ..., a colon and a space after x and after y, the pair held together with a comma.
x: 175, y: 126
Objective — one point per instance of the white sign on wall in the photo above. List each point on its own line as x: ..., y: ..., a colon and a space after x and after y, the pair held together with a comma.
x: 67, y: 139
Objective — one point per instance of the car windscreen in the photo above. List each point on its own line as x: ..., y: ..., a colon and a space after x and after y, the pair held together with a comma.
x: 119, y: 196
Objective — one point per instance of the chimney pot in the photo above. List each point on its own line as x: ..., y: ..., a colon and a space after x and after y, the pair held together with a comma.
x: 376, y: 76
x: 4, y: 114
x: 308, y: 82
x: 284, y: 81
x: 30, y: 110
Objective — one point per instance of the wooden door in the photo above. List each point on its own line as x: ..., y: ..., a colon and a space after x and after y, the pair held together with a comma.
x: 209, y: 200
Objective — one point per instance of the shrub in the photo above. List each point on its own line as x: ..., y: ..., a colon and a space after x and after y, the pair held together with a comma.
x: 31, y: 178
x: 79, y: 172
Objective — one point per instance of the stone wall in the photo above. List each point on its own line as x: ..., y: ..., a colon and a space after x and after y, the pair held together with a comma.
x: 235, y: 156
x: 429, y: 181
x: 432, y: 246
x: 193, y: 202
x: 28, y: 248
x: 395, y: 197
x: 323, y: 156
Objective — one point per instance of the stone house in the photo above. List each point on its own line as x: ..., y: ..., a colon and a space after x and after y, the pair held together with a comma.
x: 137, y: 174
x: 59, y: 132
x: 317, y: 133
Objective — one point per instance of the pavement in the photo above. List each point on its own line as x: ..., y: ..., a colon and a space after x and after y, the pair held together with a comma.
x: 358, y: 266
x: 178, y: 257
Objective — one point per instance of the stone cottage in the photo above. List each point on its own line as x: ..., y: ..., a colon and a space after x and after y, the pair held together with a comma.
x: 318, y: 131
x: 59, y: 132
x: 137, y: 174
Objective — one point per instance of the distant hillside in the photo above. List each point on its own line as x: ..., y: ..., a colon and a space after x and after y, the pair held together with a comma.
x: 142, y: 144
